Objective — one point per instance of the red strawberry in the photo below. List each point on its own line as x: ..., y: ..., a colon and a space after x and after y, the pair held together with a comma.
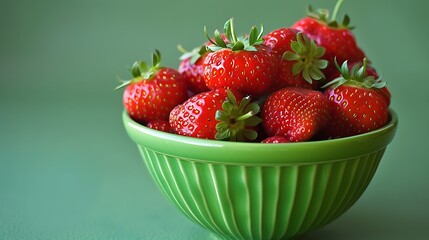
x: 160, y: 125
x: 243, y: 64
x: 337, y: 39
x: 299, y: 59
x: 191, y: 67
x: 153, y: 91
x: 358, y: 102
x: 370, y: 71
x: 217, y: 114
x: 295, y: 113
x: 275, y: 139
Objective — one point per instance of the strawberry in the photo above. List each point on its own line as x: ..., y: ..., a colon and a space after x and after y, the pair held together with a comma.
x: 275, y: 139
x: 370, y: 71
x: 153, y: 92
x: 299, y: 59
x: 336, y: 38
x: 160, y: 125
x: 243, y: 64
x: 191, y: 67
x: 221, y: 114
x: 358, y: 102
x: 295, y: 113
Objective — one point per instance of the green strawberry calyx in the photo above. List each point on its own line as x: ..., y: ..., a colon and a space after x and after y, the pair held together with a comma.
x: 235, y: 43
x: 323, y: 16
x: 356, y: 76
x: 142, y: 71
x: 236, y: 118
x: 307, y: 55
x: 192, y: 55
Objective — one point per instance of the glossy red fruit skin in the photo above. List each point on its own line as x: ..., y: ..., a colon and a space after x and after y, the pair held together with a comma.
x: 355, y: 110
x: 154, y: 98
x: 249, y: 72
x: 279, y: 41
x: 338, y: 42
x: 275, y: 139
x: 295, y: 113
x: 160, y: 125
x: 194, y: 74
x: 196, y: 116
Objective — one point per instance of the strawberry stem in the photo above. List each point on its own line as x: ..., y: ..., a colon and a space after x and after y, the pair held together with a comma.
x: 245, y: 116
x: 230, y: 26
x: 364, y: 66
x: 336, y: 9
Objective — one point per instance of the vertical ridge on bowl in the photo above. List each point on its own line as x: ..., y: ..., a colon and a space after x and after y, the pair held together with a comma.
x: 319, y: 186
x: 288, y: 177
x: 270, y: 208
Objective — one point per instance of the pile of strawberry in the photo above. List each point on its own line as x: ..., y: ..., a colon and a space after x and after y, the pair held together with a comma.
x: 308, y: 81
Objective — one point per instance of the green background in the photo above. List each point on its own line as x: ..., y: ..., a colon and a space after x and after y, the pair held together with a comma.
x: 68, y: 169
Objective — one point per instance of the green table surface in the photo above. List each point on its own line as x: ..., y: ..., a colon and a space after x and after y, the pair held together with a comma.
x: 69, y: 171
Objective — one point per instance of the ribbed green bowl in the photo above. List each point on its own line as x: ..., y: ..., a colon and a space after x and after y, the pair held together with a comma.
x: 261, y: 191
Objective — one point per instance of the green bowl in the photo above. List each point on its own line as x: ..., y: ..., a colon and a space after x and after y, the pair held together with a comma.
x: 261, y: 191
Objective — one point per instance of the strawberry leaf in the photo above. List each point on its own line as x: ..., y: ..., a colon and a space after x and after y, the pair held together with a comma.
x: 222, y: 132
x: 319, y: 52
x: 296, y: 47
x: 219, y: 41
x: 156, y: 58
x: 253, y: 122
x: 123, y: 84
x: 250, y: 49
x: 315, y: 73
x: 306, y: 75
x: 227, y: 106
x: 214, y: 48
x: 361, y: 72
x: 346, y: 21
x: 321, y: 63
x: 253, y: 36
x: 345, y: 70
x: 290, y: 56
x: 143, y: 67
x: 379, y: 84
x: 135, y: 70
x: 261, y: 33
x: 297, y: 68
x: 250, y: 134
x: 238, y: 46
x: 193, y: 55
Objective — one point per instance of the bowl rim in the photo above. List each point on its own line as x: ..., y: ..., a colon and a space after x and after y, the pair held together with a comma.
x: 215, y: 151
